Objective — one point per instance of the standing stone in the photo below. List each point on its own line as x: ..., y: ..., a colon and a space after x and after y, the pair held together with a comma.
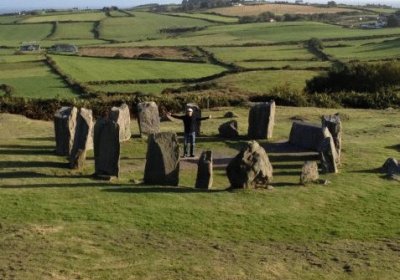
x: 306, y: 135
x: 334, y: 124
x: 162, y: 160
x: 64, y: 128
x: 328, y: 155
x: 309, y: 173
x: 204, y: 179
x: 122, y: 117
x: 106, y: 148
x: 250, y: 168
x: 261, y: 120
x: 391, y: 167
x: 197, y: 114
x: 148, y: 118
x: 229, y: 129
x: 83, y: 138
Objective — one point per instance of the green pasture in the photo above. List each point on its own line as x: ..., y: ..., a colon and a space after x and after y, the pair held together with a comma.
x: 153, y: 88
x: 118, y: 13
x: 78, y: 42
x: 57, y: 223
x: 98, y: 69
x: 144, y: 26
x: 9, y: 19
x: 389, y: 49
x: 81, y: 30
x: 300, y: 64
x: 211, y: 17
x: 262, y: 82
x: 21, y: 58
x: 13, y: 35
x: 33, y: 79
x: 83, y: 16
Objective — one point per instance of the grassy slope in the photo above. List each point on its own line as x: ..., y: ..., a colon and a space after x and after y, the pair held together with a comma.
x: 81, y: 30
x: 93, y: 69
x: 145, y: 88
x: 57, y: 223
x: 212, y: 17
x: 13, y: 35
x: 90, y: 16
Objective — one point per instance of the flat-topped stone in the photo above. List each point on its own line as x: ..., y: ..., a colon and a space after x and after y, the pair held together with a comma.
x: 148, y: 118
x: 122, y: 116
x: 261, y: 120
x: 64, y: 128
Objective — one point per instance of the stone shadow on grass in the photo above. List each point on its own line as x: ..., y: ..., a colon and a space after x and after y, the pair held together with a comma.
x: 33, y: 174
x: 394, y: 147
x: 137, y: 189
x: 33, y: 164
x: 61, y: 185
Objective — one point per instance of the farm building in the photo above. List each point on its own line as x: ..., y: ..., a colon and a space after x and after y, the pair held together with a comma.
x: 64, y: 48
x: 29, y: 47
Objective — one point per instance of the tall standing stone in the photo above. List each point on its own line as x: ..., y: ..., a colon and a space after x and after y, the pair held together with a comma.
x: 204, y: 179
x: 106, y: 148
x: 83, y: 139
x: 197, y: 114
x: 122, y: 117
x: 328, y: 154
x: 261, y: 120
x: 162, y: 160
x: 334, y: 125
x: 64, y: 128
x: 148, y: 118
x: 250, y: 168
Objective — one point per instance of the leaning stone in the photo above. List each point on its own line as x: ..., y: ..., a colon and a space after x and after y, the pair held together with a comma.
x: 251, y: 168
x: 64, y: 128
x: 204, y: 179
x: 391, y: 167
x: 162, y: 160
x: 309, y: 173
x: 305, y: 135
x: 334, y: 124
x: 261, y: 120
x: 328, y: 155
x: 148, y: 118
x: 106, y: 148
x: 229, y: 129
x: 83, y: 138
x: 197, y: 114
x: 122, y: 117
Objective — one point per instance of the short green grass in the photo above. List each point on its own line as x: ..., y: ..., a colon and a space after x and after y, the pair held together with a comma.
x: 84, y: 16
x: 260, y: 82
x: 284, y: 64
x: 14, y: 35
x: 81, y: 30
x: 153, y: 88
x: 98, y: 69
x: 57, y: 223
x: 211, y: 17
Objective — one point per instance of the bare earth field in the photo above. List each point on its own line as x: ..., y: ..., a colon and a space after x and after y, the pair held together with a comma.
x: 254, y: 10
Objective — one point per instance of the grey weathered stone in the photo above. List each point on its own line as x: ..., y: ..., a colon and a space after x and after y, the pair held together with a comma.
x: 122, y: 116
x: 391, y: 167
x: 261, y: 120
x: 64, y: 128
x: 229, y: 129
x: 230, y: 115
x: 334, y: 124
x: 197, y: 114
x: 106, y: 148
x: 148, y: 118
x: 83, y: 138
x: 306, y: 135
x: 204, y: 179
x: 328, y: 155
x: 162, y: 160
x: 309, y: 173
x: 250, y: 168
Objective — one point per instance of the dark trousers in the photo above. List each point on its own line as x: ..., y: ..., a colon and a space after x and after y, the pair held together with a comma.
x: 189, y: 142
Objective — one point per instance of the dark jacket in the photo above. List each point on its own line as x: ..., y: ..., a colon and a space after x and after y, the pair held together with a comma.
x: 190, y: 123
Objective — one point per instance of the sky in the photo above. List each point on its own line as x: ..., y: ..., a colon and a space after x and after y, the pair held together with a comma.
x: 15, y: 5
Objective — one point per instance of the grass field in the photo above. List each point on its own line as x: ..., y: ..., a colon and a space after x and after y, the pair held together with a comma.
x: 98, y: 69
x: 33, y: 79
x: 89, y: 16
x: 9, y: 19
x: 81, y: 30
x: 284, y: 64
x: 211, y: 17
x: 144, y: 26
x: 57, y: 223
x: 260, y: 82
x: 152, y: 88
x: 13, y: 35
x: 278, y: 9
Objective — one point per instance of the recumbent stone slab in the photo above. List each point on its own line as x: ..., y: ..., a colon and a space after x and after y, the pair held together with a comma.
x: 148, y: 118
x: 122, y: 116
x: 204, y: 179
x: 250, y: 168
x: 306, y: 135
x: 64, y: 128
x: 261, y: 120
x: 162, y: 159
x: 106, y: 148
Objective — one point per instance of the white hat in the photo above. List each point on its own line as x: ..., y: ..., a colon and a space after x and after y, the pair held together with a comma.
x: 189, y: 110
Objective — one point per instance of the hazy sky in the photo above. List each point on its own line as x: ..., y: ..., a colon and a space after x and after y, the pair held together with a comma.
x: 31, y: 4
